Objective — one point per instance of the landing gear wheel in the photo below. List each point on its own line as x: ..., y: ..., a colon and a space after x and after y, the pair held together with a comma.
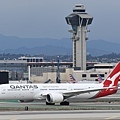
x: 50, y: 103
x: 64, y: 103
x: 26, y: 108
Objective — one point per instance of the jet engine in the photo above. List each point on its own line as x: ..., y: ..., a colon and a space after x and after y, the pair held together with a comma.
x: 54, y: 98
x: 22, y: 101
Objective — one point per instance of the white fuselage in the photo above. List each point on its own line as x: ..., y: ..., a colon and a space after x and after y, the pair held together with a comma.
x: 35, y: 91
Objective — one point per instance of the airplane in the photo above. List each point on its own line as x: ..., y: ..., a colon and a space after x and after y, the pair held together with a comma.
x: 61, y: 92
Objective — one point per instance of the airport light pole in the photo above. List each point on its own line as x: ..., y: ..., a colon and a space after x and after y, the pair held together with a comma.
x: 58, y: 71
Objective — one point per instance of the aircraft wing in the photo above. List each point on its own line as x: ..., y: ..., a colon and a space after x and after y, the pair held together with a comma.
x: 68, y: 94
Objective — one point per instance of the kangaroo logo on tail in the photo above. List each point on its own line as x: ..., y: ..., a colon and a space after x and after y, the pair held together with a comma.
x: 111, y: 81
x: 113, y: 77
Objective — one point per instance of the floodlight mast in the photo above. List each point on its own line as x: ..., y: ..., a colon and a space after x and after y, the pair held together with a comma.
x: 79, y: 20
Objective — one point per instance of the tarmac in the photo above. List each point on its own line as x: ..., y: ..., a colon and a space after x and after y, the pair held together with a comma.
x: 61, y: 115
x: 40, y: 106
x: 75, y: 111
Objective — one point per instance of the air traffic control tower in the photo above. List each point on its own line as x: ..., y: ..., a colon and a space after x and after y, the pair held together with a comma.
x: 79, y: 20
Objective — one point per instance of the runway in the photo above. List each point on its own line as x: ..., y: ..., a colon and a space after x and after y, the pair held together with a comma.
x: 62, y: 115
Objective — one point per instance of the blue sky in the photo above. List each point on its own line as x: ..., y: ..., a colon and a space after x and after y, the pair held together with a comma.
x: 46, y: 18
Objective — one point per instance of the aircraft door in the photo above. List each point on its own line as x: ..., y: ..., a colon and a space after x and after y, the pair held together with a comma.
x: 3, y: 90
x: 32, y: 91
x: 70, y: 88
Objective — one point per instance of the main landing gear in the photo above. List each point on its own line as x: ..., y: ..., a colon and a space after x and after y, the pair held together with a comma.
x: 62, y: 103
x: 26, y: 108
x: 50, y: 103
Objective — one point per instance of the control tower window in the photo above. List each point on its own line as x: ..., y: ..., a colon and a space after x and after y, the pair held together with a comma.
x: 74, y: 27
x: 78, y: 10
x: 78, y: 6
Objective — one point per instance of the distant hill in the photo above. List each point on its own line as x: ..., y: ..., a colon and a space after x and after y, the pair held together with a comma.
x: 8, y: 42
x: 47, y: 46
x: 101, y: 47
x: 46, y: 50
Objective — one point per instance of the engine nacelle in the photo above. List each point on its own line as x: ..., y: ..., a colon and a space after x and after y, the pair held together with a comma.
x: 54, y: 98
x: 22, y: 101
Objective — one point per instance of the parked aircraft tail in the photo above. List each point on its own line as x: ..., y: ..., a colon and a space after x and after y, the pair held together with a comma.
x: 72, y: 79
x: 100, y: 80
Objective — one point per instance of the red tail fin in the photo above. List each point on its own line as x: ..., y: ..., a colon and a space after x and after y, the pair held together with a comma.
x: 111, y: 81
x: 113, y: 77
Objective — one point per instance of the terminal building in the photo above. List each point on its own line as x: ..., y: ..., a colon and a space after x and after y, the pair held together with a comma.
x: 32, y: 59
x: 42, y: 71
x: 16, y: 68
